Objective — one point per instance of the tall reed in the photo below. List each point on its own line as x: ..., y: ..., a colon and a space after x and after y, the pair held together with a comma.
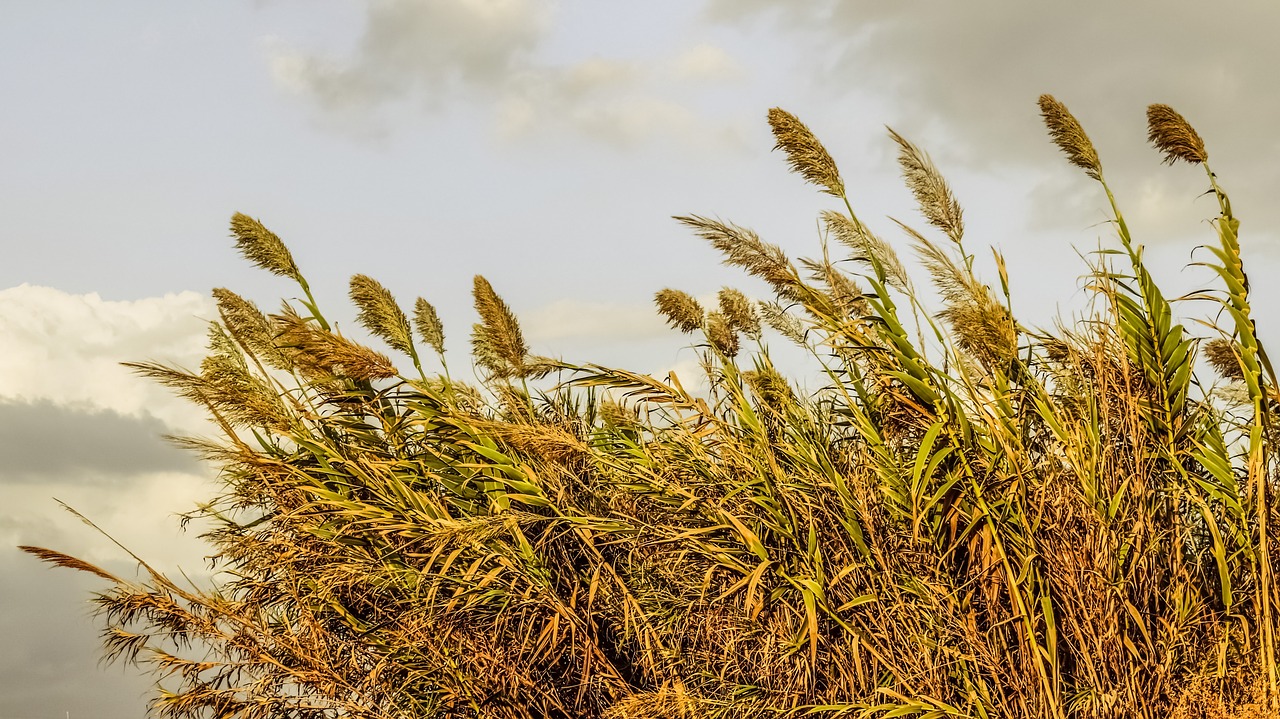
x: 971, y: 518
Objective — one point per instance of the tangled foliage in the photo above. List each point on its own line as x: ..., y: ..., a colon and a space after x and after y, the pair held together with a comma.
x: 998, y: 523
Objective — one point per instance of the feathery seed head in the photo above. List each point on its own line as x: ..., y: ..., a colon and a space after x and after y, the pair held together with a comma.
x: 380, y: 314
x: 496, y: 341
x: 805, y: 154
x: 429, y: 325
x: 680, y: 308
x: 721, y: 334
x: 250, y: 328
x: 932, y: 193
x: 321, y: 354
x: 744, y: 248
x: 1221, y: 353
x: 262, y: 247
x: 783, y: 322
x: 1174, y: 136
x: 1069, y: 136
x: 740, y: 312
x: 868, y: 247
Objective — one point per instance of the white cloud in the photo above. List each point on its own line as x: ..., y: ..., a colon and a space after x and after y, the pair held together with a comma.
x: 67, y: 348
x: 706, y: 63
x: 490, y: 54
x: 597, y: 321
x: 963, y: 78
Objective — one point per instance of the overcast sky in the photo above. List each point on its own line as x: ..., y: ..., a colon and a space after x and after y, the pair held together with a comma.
x: 544, y: 144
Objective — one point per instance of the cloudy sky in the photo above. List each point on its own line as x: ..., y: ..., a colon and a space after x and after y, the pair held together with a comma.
x: 544, y: 144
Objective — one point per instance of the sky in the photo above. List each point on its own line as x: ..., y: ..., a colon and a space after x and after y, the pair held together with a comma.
x: 546, y: 145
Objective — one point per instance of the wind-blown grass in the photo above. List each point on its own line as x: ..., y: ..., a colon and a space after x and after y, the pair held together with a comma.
x: 1000, y: 523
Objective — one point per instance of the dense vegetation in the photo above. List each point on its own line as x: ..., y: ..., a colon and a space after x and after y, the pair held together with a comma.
x: 971, y: 518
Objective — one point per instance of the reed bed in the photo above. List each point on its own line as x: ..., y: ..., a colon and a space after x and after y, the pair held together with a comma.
x: 971, y: 518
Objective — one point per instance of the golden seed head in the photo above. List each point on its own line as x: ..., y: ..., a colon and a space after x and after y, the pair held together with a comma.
x: 250, y: 328
x: 1069, y: 136
x: 262, y: 247
x: 1221, y: 353
x: 380, y: 314
x: 805, y: 154
x: 429, y: 325
x: 722, y: 335
x: 680, y: 308
x: 322, y: 354
x: 744, y: 248
x: 740, y: 312
x: 496, y: 341
x: 1174, y: 136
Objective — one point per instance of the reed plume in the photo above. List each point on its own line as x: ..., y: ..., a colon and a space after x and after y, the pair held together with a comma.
x: 380, y: 314
x: 1223, y: 357
x: 262, y: 247
x: 722, y: 334
x: 805, y: 154
x: 740, y: 312
x: 867, y: 247
x: 933, y: 195
x: 249, y: 326
x: 323, y: 354
x: 783, y: 322
x: 1069, y: 136
x: 680, y: 308
x: 496, y: 341
x: 744, y: 248
x: 430, y: 328
x: 1174, y: 137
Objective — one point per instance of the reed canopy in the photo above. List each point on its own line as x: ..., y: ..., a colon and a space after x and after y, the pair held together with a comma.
x: 970, y: 517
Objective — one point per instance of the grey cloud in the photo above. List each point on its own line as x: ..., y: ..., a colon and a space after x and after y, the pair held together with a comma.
x: 488, y: 52
x: 49, y: 666
x: 43, y: 440
x: 974, y: 70
x: 429, y: 49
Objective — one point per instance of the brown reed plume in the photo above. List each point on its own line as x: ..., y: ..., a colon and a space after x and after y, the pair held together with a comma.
x: 743, y: 248
x: 1174, y: 137
x: 430, y: 328
x: 805, y: 154
x: 1223, y: 356
x: 380, y: 314
x: 262, y: 247
x: 867, y: 247
x: 680, y: 309
x: 496, y: 341
x: 1069, y: 136
x: 739, y: 312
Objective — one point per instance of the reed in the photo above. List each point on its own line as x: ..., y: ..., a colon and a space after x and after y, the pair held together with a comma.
x: 1003, y: 522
